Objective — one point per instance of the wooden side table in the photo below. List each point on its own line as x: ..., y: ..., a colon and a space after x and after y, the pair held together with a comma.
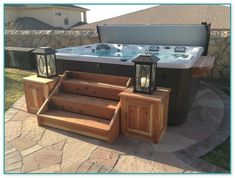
x: 36, y: 91
x: 144, y: 116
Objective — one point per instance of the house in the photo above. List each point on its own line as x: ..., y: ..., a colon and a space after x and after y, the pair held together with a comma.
x: 217, y: 15
x: 61, y: 16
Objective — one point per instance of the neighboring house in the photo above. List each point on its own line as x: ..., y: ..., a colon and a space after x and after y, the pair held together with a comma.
x: 61, y: 16
x: 217, y: 15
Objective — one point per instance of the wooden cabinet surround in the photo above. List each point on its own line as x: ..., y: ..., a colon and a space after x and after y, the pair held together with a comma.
x: 36, y: 91
x: 144, y: 116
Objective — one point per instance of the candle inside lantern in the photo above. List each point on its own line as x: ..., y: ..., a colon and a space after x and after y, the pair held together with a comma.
x: 48, y: 69
x: 144, y: 82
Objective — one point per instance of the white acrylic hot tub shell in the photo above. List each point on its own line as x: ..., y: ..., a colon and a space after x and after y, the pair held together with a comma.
x: 73, y: 55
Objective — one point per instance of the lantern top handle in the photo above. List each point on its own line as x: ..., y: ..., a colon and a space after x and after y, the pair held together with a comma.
x: 44, y: 50
x: 146, y: 59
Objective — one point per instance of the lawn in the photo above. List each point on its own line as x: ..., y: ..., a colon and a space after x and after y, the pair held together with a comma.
x: 220, y: 156
x: 14, y: 85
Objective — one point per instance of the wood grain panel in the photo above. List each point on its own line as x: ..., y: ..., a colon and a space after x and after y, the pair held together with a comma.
x: 92, y: 89
x: 144, y: 119
x: 101, y: 78
x: 114, y: 126
x: 132, y: 116
x: 73, y: 128
x: 145, y: 116
x: 78, y: 119
x: 36, y: 91
x: 202, y: 66
x: 85, y: 105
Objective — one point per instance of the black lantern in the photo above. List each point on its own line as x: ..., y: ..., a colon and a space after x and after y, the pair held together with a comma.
x: 46, y: 62
x: 145, y: 73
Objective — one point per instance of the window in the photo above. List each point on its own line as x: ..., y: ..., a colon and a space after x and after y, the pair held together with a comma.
x: 66, y: 21
x: 58, y: 13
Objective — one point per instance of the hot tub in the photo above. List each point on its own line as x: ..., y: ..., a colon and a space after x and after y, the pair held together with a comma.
x: 115, y: 53
x: 179, y: 57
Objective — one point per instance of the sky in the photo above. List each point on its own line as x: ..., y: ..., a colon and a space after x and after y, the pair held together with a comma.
x: 101, y: 12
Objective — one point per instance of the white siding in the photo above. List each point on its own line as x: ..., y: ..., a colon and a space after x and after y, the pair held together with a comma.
x: 10, y: 14
x: 74, y: 17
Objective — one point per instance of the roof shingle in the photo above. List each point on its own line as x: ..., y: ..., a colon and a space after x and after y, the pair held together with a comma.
x: 30, y: 23
x: 217, y: 15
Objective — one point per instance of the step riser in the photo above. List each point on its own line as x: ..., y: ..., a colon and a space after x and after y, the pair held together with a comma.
x: 76, y: 128
x: 83, y: 108
x: 114, y: 80
x: 91, y: 90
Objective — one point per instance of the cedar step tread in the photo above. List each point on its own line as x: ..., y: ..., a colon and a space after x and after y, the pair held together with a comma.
x: 106, y: 85
x: 87, y: 99
x: 77, y: 119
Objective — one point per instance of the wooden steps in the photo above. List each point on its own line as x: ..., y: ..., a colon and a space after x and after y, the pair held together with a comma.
x: 85, y: 103
x: 92, y: 106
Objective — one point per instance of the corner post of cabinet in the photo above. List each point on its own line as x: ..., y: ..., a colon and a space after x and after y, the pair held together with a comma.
x: 123, y: 115
x: 156, y: 122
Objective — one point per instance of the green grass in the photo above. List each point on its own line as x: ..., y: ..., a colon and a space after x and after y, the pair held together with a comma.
x: 14, y: 85
x: 220, y: 156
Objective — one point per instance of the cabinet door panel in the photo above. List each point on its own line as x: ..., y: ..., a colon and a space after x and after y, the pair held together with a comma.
x: 35, y: 96
x: 132, y: 116
x: 138, y: 117
x: 144, y: 119
x: 40, y: 97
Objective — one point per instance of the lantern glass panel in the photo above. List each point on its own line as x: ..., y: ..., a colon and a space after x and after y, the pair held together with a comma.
x: 41, y: 64
x: 51, y: 65
x: 143, y: 78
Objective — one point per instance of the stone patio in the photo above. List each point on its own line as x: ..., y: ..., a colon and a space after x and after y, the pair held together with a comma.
x: 33, y: 149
